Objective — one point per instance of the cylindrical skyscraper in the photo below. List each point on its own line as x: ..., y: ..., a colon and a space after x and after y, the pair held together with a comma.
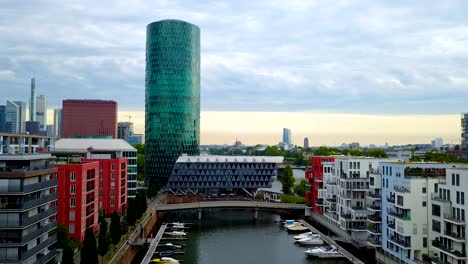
x: 172, y: 105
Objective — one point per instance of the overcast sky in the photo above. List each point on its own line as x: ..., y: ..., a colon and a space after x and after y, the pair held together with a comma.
x: 367, y: 57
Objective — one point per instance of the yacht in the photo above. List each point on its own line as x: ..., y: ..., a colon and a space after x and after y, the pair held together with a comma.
x: 303, y: 235
x: 176, y: 233
x: 165, y: 260
x: 323, y: 252
x: 313, y: 240
x: 297, y: 227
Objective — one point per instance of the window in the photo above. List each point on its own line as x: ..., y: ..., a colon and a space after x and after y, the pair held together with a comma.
x: 72, y: 215
x: 72, y: 176
x: 415, y: 229
x: 72, y: 189
x: 112, y: 184
x: 72, y: 202
x: 100, y: 176
x: 436, y: 186
x: 458, y: 197
x: 112, y: 202
x: 71, y: 228
x: 100, y: 185
x: 112, y: 167
x: 424, y: 190
x: 435, y: 226
x: 424, y: 242
x: 112, y: 193
x: 101, y: 167
x: 462, y: 199
x: 112, y: 176
x: 435, y: 210
x: 458, y: 179
x: 100, y: 194
x: 424, y: 204
x: 453, y: 179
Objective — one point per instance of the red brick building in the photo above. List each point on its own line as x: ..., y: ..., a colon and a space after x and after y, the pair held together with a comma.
x: 77, y: 197
x: 85, y: 118
x: 316, y: 195
x: 112, y: 184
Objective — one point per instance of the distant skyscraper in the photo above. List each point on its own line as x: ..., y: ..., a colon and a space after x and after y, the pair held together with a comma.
x: 172, y: 107
x: 32, y: 101
x: 464, y: 135
x: 33, y: 127
x: 306, y: 142
x: 286, y: 136
x: 58, y: 122
x: 89, y: 118
x: 3, y: 125
x: 41, y: 112
x: 437, y: 143
x: 50, y: 130
x: 15, y: 116
x: 136, y: 139
x: 124, y: 130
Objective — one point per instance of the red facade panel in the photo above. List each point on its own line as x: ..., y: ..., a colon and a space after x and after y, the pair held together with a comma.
x: 89, y: 118
x: 77, y: 197
x: 316, y: 181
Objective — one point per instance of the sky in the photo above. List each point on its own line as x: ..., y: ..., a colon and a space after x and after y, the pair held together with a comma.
x: 309, y: 65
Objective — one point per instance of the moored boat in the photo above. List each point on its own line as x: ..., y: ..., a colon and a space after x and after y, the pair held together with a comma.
x: 313, y: 240
x: 297, y: 228
x: 175, y: 233
x: 303, y: 235
x: 165, y: 260
x: 323, y: 252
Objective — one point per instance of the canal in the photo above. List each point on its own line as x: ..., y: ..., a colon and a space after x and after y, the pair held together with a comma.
x: 227, y: 236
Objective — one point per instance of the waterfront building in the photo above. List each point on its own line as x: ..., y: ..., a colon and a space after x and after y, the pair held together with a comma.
x: 320, y: 176
x: 78, y: 192
x: 15, y: 116
x: 136, y: 139
x: 449, y: 216
x: 172, y: 106
x: 124, y: 130
x: 3, y: 125
x: 58, y: 122
x: 24, y: 143
x: 41, y: 111
x: 306, y: 142
x: 286, y: 136
x: 211, y: 174
x: 89, y: 118
x: 32, y: 101
x: 28, y: 194
x: 407, y: 221
x: 464, y: 135
x: 67, y: 148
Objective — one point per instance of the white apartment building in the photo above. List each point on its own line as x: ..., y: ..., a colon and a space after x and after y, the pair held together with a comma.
x: 374, y: 209
x: 449, y: 216
x: 406, y: 202
x: 351, y: 175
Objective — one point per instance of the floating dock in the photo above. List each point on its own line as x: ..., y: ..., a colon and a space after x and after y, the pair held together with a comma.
x: 154, y: 245
x: 332, y: 242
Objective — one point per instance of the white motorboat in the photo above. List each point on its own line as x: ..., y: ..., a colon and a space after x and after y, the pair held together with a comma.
x: 289, y: 223
x: 176, y: 233
x: 172, y: 245
x: 313, y: 240
x: 324, y: 252
x: 303, y: 235
x: 297, y: 228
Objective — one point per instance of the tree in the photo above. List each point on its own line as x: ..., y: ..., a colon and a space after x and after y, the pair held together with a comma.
x: 103, y: 239
x: 131, y: 211
x: 115, y: 228
x: 287, y: 180
x: 415, y: 159
x: 377, y: 153
x: 153, y: 187
x: 271, y: 151
x: 63, y: 241
x: 141, y: 203
x: 68, y: 255
x: 89, y: 253
x: 300, y: 188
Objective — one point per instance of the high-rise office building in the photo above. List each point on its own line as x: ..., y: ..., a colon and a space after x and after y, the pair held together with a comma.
x: 50, y: 130
x: 136, y: 139
x: 464, y: 135
x: 33, y: 127
x: 32, y: 101
x: 58, y: 122
x: 306, y: 142
x: 16, y: 116
x: 28, y: 212
x: 172, y: 106
x: 41, y: 111
x: 89, y: 118
x: 3, y: 125
x: 124, y: 130
x: 286, y: 136
x: 437, y: 143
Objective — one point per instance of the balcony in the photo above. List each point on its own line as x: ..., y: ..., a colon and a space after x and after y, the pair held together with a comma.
x: 401, y: 189
x: 448, y: 217
x: 27, y: 172
x: 400, y: 242
x: 358, y: 208
x: 374, y: 241
x: 346, y: 216
x: 374, y: 229
x: 391, y: 200
x: 439, y: 198
x: 330, y: 182
x: 374, y: 207
x: 36, y: 218
x: 38, y: 232
x: 32, y: 187
x: 90, y: 188
x: 374, y: 218
x: 449, y: 251
x: 332, y: 200
x: 48, y: 242
x: 46, y: 258
x: 401, y: 216
x: 373, y: 196
x: 454, y: 236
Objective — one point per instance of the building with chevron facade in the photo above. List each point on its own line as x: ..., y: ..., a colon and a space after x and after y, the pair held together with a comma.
x: 212, y: 174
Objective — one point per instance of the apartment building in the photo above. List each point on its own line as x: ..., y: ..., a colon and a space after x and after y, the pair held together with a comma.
x: 407, y: 221
x: 28, y: 199
x: 374, y: 209
x: 449, y: 216
x: 78, y: 192
x: 320, y: 174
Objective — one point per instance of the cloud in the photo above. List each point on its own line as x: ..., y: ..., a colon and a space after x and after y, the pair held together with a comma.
x: 352, y: 56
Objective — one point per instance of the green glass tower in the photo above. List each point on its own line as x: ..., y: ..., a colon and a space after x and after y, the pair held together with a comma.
x: 172, y: 105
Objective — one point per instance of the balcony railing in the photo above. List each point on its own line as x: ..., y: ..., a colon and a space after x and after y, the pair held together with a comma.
x: 451, y: 218
x: 375, y: 207
x: 40, y: 231
x: 39, y: 247
x: 330, y: 182
x: 39, y: 186
x: 373, y: 195
x: 391, y: 200
x: 401, y: 242
x: 446, y: 249
x: 346, y: 216
x: 38, y: 201
x: 46, y: 258
x: 402, y: 189
x: 403, y: 217
x: 456, y: 236
x: 374, y: 218
x: 374, y: 229
x: 358, y: 208
x: 374, y: 241
x: 38, y: 217
x: 438, y: 197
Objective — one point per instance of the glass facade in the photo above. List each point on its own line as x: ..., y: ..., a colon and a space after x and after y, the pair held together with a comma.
x: 172, y: 105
